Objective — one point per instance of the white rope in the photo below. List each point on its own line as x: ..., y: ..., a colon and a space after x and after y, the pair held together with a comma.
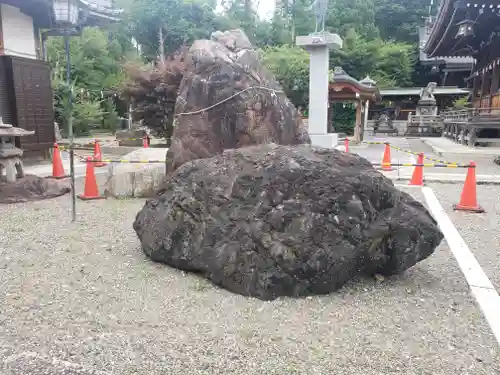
x: 273, y: 92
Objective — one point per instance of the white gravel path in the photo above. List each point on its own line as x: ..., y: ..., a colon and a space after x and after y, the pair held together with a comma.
x: 83, y: 294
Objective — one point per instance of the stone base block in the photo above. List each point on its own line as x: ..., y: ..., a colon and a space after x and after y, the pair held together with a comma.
x: 136, y: 180
x: 130, y: 138
x: 324, y: 140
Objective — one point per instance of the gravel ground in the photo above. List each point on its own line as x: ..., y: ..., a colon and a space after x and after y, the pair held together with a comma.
x: 480, y: 231
x: 84, y: 298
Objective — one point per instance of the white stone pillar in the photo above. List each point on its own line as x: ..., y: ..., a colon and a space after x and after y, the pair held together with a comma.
x: 319, y: 46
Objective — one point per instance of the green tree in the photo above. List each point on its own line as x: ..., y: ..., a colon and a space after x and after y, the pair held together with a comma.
x: 290, y: 65
x: 295, y: 18
x: 87, y: 112
x: 344, y: 15
x: 395, y: 64
x: 96, y: 59
x: 241, y: 14
x: 161, y: 27
x: 399, y: 19
x: 389, y: 63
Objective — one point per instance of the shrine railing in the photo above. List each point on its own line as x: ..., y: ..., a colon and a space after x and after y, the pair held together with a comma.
x: 435, y: 121
x: 467, y: 114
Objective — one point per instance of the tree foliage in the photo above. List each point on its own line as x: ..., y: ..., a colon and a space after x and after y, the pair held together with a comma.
x: 399, y: 20
x: 95, y: 59
x: 290, y: 64
x: 154, y: 89
x: 95, y: 68
x: 169, y: 24
x: 358, y: 15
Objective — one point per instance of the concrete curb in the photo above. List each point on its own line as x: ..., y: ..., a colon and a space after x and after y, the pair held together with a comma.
x: 435, y: 149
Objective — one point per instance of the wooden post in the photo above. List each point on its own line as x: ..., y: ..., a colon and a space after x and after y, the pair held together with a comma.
x: 330, y: 127
x: 357, y: 126
x: 475, y: 88
x: 495, y: 80
x: 482, y: 90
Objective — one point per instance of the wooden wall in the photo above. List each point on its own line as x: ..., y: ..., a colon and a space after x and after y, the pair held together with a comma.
x: 26, y: 101
x: 495, y: 101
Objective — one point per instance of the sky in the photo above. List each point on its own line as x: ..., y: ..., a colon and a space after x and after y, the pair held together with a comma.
x: 265, y: 8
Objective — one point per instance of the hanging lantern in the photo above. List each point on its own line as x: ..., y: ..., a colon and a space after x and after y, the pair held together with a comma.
x: 465, y: 28
x: 66, y: 12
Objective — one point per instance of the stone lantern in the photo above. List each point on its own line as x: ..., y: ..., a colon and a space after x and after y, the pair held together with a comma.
x: 10, y: 156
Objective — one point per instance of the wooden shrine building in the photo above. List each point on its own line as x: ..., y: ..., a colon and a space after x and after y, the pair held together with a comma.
x: 344, y: 88
x: 471, y: 28
x: 446, y: 71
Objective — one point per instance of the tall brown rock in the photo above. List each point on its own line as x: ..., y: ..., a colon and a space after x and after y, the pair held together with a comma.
x: 228, y: 100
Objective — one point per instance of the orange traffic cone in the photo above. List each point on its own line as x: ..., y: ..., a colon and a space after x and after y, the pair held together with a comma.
x: 90, y: 190
x: 386, y: 160
x: 145, y: 141
x: 346, y: 144
x: 57, y: 165
x: 417, y: 178
x: 98, y: 155
x: 468, y: 199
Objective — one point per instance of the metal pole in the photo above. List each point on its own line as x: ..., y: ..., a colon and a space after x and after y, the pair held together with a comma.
x: 70, y: 127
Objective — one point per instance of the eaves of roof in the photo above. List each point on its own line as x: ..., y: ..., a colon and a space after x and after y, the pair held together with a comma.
x: 465, y: 62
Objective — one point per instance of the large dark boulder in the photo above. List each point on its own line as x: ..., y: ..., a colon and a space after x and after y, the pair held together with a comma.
x: 227, y: 100
x: 269, y: 220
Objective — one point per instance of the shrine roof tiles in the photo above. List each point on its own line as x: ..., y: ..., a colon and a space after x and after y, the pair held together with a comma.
x: 340, y: 76
x: 97, y: 11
